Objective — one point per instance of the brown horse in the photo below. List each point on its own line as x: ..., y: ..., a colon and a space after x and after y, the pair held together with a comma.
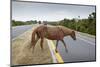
x: 52, y: 33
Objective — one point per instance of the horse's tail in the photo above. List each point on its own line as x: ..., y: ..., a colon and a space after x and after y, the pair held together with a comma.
x: 33, y: 38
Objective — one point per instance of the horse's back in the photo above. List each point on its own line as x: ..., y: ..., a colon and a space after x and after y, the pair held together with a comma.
x: 54, y: 33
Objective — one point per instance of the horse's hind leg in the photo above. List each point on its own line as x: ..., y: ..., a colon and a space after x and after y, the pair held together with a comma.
x: 41, y: 44
x: 33, y: 45
x: 65, y: 45
x: 35, y: 42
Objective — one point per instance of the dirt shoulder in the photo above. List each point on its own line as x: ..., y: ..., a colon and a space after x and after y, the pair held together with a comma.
x: 22, y: 54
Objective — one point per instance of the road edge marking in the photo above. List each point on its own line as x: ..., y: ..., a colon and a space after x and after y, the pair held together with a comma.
x: 86, y: 40
x: 20, y: 35
x: 52, y: 53
x: 57, y: 55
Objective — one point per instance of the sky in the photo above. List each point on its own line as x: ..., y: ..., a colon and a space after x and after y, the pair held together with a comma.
x: 25, y: 11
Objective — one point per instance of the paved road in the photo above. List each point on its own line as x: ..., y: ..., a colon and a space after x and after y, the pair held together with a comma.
x: 83, y: 49
x: 16, y: 31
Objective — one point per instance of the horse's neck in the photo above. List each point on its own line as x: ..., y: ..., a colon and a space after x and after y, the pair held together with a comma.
x: 66, y: 31
x: 61, y: 29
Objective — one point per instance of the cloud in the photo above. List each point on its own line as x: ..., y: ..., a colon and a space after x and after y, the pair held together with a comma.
x: 42, y: 11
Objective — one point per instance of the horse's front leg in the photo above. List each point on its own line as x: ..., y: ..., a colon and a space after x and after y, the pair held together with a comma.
x: 65, y: 45
x: 56, y: 46
x: 41, y: 44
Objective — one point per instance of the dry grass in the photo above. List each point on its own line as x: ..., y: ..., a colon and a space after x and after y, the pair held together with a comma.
x: 22, y: 54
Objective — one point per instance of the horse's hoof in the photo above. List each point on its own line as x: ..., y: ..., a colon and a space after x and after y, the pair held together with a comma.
x: 56, y: 51
x: 32, y: 50
x: 42, y: 49
x: 66, y: 51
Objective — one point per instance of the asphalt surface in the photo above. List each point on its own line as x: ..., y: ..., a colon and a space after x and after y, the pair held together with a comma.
x: 82, y: 49
x: 17, y: 30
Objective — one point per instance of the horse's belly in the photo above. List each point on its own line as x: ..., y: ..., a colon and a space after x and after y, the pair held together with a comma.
x: 54, y: 34
x: 52, y: 37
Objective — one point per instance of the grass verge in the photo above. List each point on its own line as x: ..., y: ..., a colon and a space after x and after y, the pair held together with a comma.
x: 23, y: 55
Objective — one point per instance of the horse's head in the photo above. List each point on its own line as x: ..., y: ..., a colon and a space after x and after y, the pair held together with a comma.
x: 73, y: 35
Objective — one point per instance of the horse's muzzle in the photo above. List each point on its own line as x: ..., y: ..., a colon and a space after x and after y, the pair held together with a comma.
x: 74, y: 38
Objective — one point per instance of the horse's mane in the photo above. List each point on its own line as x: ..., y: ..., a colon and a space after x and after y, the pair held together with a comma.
x: 65, y: 28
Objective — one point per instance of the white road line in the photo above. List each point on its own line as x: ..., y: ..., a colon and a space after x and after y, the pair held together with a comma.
x: 86, y: 40
x: 52, y: 53
x: 86, y: 37
x: 18, y: 36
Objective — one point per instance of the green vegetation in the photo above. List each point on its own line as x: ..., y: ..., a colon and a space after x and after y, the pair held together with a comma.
x: 17, y: 23
x: 87, y: 25
x: 83, y: 25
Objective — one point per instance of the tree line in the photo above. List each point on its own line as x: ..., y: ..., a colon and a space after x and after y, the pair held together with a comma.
x: 87, y: 25
x: 17, y: 23
x: 83, y: 25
